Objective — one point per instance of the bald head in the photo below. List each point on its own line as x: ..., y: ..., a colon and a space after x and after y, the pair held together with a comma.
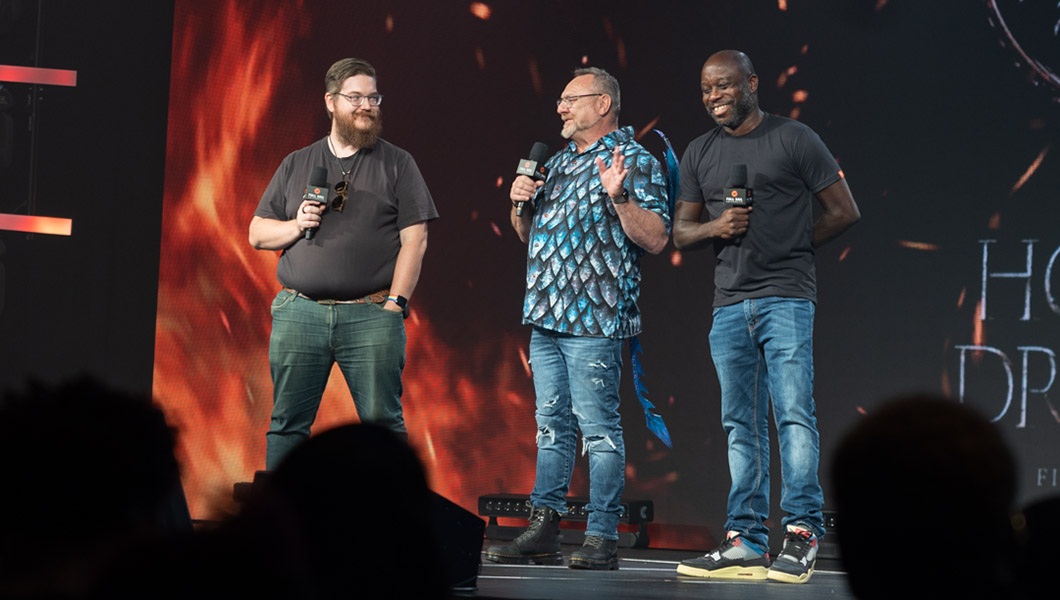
x: 730, y: 91
x: 733, y: 59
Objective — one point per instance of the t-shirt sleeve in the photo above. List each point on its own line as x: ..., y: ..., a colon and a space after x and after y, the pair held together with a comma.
x: 415, y: 203
x: 689, y: 189
x: 273, y: 203
x: 819, y: 167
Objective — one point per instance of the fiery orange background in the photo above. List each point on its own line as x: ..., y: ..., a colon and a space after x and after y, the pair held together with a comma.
x: 229, y: 126
x: 213, y: 322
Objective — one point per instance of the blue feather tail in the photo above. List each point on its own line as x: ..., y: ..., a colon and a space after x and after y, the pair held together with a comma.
x: 672, y: 170
x: 654, y: 421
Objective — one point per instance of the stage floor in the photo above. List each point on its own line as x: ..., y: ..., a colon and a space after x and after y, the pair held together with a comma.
x: 644, y: 574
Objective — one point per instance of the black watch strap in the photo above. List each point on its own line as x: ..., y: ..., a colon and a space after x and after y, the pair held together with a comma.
x: 402, y: 302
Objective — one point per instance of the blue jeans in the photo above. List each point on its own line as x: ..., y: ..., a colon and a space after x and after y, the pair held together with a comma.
x: 576, y: 380
x: 366, y: 341
x: 762, y: 349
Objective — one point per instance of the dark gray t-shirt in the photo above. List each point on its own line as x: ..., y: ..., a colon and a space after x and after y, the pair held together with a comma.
x: 787, y: 163
x: 353, y: 252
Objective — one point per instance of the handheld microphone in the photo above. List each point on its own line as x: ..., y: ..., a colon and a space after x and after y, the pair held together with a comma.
x: 534, y: 168
x: 737, y: 193
x: 316, y: 190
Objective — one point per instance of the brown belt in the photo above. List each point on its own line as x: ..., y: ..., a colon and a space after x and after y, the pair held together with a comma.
x: 373, y: 298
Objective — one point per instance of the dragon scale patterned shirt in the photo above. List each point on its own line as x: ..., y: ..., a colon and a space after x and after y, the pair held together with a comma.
x: 583, y: 273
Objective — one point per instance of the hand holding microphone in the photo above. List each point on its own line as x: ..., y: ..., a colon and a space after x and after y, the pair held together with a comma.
x: 737, y: 194
x: 316, y: 190
x: 534, y: 168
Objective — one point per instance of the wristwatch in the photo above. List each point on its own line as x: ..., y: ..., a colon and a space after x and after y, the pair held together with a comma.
x: 621, y: 199
x: 402, y: 302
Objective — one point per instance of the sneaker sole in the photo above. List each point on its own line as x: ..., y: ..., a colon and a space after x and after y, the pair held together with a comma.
x: 742, y: 573
x: 541, y: 559
x: 775, y: 575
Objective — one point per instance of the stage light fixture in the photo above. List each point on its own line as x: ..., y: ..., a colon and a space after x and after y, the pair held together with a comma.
x: 633, y: 523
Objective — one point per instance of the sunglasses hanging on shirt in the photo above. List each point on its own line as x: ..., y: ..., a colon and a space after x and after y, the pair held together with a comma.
x: 339, y: 202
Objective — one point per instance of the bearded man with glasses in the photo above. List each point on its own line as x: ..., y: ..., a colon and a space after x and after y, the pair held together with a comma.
x: 347, y: 267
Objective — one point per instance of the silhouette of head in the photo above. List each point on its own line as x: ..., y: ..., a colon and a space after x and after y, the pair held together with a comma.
x: 359, y: 497
x: 924, y: 486
x: 86, y: 466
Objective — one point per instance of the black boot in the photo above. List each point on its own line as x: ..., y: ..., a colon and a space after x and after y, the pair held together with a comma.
x: 596, y: 553
x: 539, y: 544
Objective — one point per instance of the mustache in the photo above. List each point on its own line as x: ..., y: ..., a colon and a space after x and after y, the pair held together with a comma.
x: 360, y: 136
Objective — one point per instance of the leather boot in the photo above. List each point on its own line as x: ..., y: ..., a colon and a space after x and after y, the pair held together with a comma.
x: 596, y: 553
x: 539, y: 544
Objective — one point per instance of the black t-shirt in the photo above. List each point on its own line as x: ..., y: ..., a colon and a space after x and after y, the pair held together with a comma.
x: 787, y: 163
x: 353, y: 252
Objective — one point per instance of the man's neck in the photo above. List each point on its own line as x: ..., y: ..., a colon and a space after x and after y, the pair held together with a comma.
x: 584, y: 140
x: 749, y: 124
x: 340, y: 148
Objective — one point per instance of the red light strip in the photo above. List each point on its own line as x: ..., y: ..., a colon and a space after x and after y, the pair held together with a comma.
x: 34, y: 75
x: 48, y: 225
x: 15, y: 74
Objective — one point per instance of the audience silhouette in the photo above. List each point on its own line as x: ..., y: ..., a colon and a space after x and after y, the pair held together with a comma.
x: 346, y: 512
x: 1038, y: 531
x: 925, y: 490
x: 357, y: 497
x: 87, y: 468
x: 94, y: 509
x: 224, y: 561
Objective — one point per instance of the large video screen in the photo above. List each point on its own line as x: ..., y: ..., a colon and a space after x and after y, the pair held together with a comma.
x: 943, y: 115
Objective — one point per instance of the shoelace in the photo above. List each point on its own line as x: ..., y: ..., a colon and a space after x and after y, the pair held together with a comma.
x: 537, y: 521
x: 798, y: 544
x: 539, y: 515
x: 728, y: 543
x: 594, y: 541
x: 723, y: 548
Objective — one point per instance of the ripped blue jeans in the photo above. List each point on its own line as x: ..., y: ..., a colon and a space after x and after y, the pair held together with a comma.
x: 576, y: 380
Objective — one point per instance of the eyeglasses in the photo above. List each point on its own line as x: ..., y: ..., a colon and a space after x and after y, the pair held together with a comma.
x: 339, y: 202
x: 357, y: 99
x: 569, y: 101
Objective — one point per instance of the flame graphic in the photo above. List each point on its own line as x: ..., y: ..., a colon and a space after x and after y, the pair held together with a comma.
x: 208, y: 374
x: 211, y: 362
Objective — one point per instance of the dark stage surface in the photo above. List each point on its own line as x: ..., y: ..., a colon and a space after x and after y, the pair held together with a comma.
x: 646, y: 574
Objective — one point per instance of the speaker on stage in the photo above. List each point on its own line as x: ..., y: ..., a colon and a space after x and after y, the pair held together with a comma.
x: 459, y: 534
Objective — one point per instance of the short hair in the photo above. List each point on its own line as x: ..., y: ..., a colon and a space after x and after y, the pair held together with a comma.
x: 343, y: 70
x: 605, y: 83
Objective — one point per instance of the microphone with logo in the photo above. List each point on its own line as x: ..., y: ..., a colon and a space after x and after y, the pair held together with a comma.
x: 534, y: 168
x: 738, y: 194
x: 316, y: 191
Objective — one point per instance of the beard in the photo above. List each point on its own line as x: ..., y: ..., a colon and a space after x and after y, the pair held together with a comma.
x: 569, y: 129
x: 741, y: 109
x: 350, y: 133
